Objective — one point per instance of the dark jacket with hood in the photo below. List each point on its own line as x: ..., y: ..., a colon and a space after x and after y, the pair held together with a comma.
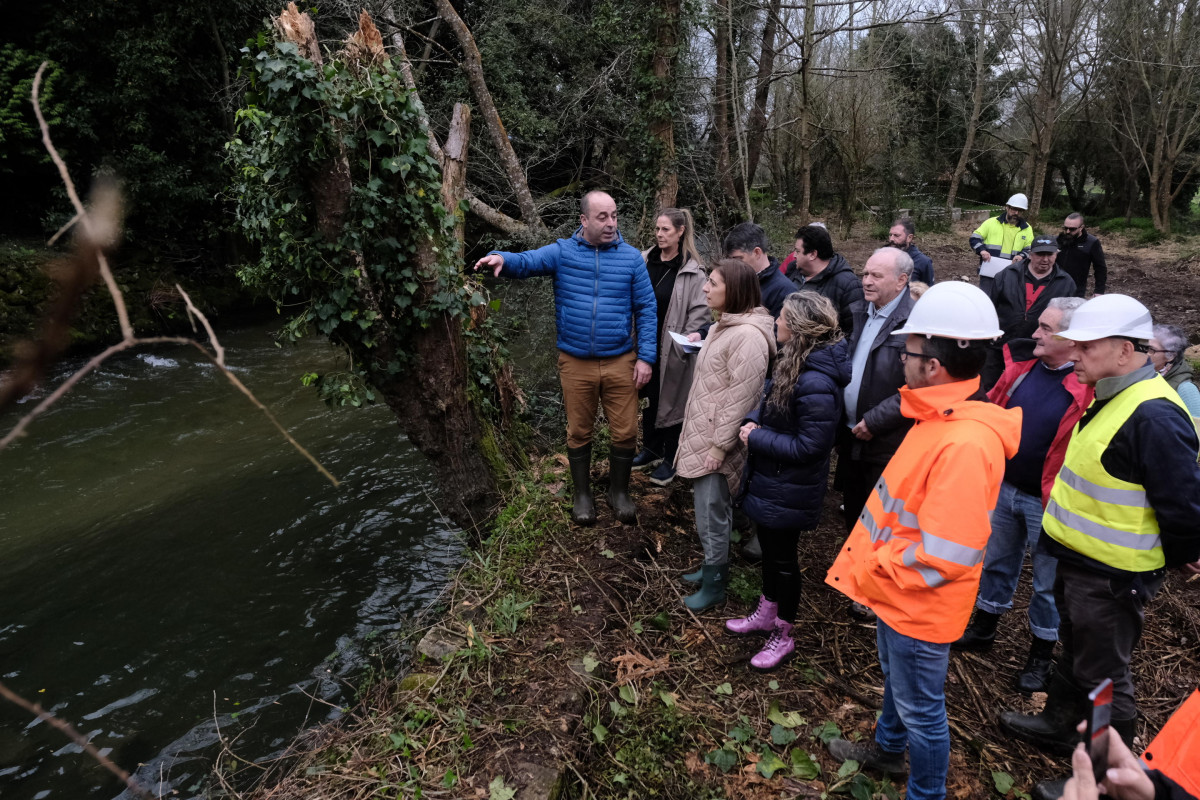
x: 838, y: 283
x: 788, y: 467
x: 879, y: 394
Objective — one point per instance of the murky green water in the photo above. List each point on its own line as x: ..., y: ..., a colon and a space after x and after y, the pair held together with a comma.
x: 169, y: 566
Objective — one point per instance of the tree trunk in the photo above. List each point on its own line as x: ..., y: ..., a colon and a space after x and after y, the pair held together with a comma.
x: 806, y: 143
x: 430, y: 401
x: 757, y: 124
x: 964, y: 156
x: 473, y: 67
x: 722, y: 92
x: 662, y: 127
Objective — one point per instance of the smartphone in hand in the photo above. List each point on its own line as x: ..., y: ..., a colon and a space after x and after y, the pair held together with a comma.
x: 1097, y: 728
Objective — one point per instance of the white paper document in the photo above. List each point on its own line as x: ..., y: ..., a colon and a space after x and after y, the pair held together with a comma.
x: 682, y: 341
x: 989, y: 268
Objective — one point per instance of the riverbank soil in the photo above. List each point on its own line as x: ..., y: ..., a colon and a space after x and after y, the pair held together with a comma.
x: 566, y: 665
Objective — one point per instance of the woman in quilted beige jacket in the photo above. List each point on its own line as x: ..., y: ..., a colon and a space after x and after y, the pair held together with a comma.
x: 727, y: 385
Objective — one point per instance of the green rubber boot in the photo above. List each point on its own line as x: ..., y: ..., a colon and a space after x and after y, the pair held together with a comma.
x: 712, y: 588
x: 695, y: 576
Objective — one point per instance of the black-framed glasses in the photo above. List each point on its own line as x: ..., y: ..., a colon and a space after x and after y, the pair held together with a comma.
x: 905, y: 355
x: 1159, y: 350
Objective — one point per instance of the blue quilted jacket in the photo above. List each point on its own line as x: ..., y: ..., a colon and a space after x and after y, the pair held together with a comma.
x: 597, y: 293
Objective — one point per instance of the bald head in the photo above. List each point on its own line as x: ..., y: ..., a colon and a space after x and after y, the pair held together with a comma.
x: 598, y: 218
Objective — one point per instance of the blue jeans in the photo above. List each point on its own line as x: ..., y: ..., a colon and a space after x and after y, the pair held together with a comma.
x: 914, y: 709
x: 1016, y: 525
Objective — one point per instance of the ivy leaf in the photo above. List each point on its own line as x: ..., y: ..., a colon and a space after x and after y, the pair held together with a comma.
x: 722, y: 758
x: 600, y: 732
x: 498, y: 791
x: 769, y: 764
x: 627, y: 694
x: 848, y: 767
x: 803, y: 765
x: 828, y: 732
x: 378, y: 137
x: 725, y: 688
x: 1003, y: 782
x: 789, y: 720
x: 781, y: 735
x: 862, y: 787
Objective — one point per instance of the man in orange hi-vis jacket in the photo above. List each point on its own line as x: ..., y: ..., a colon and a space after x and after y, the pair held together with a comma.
x: 916, y: 554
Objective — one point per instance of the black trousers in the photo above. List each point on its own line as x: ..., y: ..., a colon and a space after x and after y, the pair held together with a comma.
x: 780, y: 569
x: 660, y: 441
x: 1101, y: 620
x: 856, y: 479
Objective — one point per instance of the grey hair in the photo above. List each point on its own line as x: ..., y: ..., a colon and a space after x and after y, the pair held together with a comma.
x: 1076, y: 215
x: 1067, y: 306
x: 902, y: 261
x: 1172, y: 338
x: 906, y: 222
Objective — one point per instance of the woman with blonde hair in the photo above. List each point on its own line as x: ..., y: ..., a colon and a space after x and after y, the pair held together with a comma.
x: 790, y: 437
x: 730, y: 371
x: 678, y: 281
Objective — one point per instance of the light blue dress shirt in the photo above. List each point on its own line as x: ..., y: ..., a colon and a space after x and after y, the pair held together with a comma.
x: 876, y: 317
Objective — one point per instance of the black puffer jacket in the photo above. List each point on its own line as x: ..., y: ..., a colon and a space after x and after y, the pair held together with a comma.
x: 839, y: 283
x: 788, y: 466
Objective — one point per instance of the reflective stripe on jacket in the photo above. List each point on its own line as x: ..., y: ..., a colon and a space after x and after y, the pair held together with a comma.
x: 1096, y: 514
x: 916, y: 554
x: 1002, y: 238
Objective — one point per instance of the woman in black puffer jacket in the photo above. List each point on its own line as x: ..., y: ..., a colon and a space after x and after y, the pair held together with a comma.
x: 790, y: 438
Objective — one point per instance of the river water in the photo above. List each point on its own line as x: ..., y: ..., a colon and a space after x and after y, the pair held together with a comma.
x: 171, y: 570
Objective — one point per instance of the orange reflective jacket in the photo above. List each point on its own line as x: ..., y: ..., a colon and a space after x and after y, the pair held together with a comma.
x: 1175, y: 752
x: 916, y: 553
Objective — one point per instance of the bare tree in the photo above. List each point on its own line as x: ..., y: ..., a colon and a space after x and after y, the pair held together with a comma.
x: 989, y: 31
x: 1055, y: 39
x: 1154, y: 67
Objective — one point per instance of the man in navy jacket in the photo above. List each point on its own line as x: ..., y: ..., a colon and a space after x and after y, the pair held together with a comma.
x: 601, y: 290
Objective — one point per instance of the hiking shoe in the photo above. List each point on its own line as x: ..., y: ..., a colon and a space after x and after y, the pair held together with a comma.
x: 778, y: 649
x: 869, y: 755
x: 761, y: 621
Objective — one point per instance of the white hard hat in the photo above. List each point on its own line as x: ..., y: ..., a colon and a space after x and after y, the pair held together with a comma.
x: 1018, y: 200
x: 954, y: 310
x: 1109, y: 315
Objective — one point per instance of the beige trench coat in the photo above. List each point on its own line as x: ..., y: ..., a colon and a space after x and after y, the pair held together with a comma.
x: 686, y: 312
x: 730, y: 371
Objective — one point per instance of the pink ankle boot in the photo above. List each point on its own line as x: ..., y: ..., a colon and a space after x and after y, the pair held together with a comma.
x: 761, y: 621
x: 778, y: 649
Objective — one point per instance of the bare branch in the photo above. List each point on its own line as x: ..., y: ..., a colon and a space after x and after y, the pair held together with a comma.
x: 76, y: 737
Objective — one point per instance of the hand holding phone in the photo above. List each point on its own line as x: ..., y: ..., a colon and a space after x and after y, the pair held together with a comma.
x: 1098, y: 721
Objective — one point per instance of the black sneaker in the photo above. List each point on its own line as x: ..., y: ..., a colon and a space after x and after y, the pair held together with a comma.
x: 663, y: 475
x: 869, y: 755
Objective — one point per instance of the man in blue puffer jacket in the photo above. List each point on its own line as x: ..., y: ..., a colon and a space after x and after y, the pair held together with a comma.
x: 601, y: 288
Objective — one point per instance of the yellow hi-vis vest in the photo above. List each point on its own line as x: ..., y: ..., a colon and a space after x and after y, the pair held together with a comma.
x: 1096, y: 514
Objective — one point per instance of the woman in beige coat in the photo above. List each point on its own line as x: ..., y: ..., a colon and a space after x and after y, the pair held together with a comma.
x: 678, y: 281
x: 727, y: 385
